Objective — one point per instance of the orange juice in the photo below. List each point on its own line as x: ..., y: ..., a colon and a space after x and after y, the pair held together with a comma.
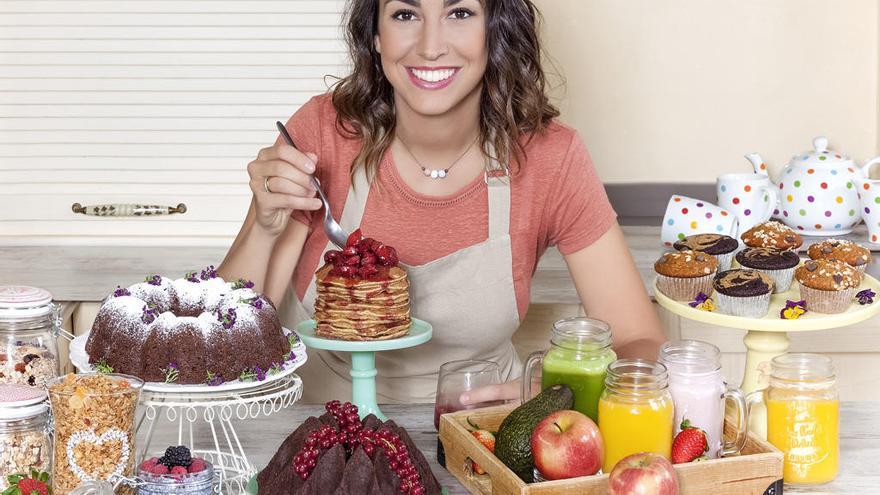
x: 807, y: 432
x: 635, y: 411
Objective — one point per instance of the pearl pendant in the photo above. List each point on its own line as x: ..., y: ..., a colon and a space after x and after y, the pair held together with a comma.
x: 434, y: 174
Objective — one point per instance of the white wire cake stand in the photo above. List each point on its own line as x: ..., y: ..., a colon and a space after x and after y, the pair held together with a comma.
x: 196, y: 414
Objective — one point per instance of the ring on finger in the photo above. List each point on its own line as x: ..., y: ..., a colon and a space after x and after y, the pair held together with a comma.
x: 266, y: 185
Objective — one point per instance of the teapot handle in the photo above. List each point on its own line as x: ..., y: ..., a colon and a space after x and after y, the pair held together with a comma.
x: 866, y: 169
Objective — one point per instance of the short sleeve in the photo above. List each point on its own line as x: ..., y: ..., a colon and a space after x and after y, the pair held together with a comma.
x: 580, y: 213
x: 304, y: 127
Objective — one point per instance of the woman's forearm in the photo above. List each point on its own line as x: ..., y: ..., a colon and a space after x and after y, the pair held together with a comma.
x: 249, y: 256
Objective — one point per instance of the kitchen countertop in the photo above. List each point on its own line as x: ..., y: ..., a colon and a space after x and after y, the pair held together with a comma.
x: 89, y: 273
x: 860, y: 442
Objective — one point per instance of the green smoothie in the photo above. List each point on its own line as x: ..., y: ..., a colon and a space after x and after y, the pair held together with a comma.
x: 583, y: 372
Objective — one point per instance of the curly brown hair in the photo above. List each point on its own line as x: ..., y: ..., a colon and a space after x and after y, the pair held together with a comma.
x: 513, y: 102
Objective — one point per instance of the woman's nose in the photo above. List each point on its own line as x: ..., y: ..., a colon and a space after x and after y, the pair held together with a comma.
x: 432, y: 41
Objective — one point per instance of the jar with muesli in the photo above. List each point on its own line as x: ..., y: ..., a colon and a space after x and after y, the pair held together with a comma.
x: 25, y: 437
x: 94, y: 428
x: 29, y: 327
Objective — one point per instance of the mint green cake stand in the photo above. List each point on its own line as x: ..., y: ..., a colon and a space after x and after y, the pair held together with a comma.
x: 363, y: 359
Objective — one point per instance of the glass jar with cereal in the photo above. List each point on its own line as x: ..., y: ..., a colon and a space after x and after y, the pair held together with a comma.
x: 29, y: 326
x: 25, y: 440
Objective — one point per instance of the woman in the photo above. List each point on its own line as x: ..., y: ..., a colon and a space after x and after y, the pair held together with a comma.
x: 442, y: 144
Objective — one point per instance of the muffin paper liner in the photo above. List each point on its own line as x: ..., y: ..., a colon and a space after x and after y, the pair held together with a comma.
x: 781, y: 278
x: 749, y: 307
x: 724, y: 260
x: 685, y: 289
x: 827, y: 301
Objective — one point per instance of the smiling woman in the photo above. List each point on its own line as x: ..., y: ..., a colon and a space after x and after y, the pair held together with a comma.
x: 442, y: 143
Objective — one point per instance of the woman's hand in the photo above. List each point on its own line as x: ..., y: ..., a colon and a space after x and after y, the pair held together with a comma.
x: 509, y: 391
x: 280, y: 184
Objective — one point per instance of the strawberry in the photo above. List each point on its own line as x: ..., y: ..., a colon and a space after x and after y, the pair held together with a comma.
x: 28, y: 486
x: 488, y: 440
x: 690, y: 443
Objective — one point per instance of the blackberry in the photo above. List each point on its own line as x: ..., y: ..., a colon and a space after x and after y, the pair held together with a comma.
x: 176, y: 456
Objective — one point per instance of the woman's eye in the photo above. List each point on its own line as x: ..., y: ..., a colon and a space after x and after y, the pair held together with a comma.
x: 461, y: 14
x: 404, y: 15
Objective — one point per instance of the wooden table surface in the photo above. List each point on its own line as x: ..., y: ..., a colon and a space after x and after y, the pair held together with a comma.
x: 860, y: 442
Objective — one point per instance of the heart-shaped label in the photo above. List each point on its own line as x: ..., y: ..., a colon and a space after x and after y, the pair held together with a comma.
x: 89, y: 436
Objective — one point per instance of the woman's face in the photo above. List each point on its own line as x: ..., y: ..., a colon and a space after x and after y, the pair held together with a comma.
x: 433, y: 51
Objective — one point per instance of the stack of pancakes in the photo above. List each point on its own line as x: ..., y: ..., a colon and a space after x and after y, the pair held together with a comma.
x: 362, y: 309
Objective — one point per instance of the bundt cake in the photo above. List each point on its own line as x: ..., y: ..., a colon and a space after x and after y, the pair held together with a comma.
x: 196, y: 329
x: 362, y: 293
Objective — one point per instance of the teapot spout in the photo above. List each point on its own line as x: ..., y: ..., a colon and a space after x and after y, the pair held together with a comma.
x: 758, y: 163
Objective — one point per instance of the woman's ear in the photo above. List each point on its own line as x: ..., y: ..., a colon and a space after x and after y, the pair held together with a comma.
x: 376, y: 44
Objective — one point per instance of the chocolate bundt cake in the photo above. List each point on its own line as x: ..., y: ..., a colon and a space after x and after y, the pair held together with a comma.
x: 349, y: 467
x: 196, y: 329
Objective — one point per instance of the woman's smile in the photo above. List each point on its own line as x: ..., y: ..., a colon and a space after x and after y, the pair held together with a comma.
x: 432, y: 78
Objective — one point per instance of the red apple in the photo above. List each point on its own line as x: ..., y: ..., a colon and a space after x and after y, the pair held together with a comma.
x: 567, y: 444
x: 645, y: 473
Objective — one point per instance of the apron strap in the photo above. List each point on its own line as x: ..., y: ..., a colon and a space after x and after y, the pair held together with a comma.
x: 498, y: 185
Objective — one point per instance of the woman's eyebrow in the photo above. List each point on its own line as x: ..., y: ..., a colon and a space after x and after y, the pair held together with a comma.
x: 417, y: 3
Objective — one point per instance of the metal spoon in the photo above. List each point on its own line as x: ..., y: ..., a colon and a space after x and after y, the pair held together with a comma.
x: 334, y: 231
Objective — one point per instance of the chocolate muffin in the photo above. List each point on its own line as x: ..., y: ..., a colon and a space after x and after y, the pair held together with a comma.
x: 682, y: 275
x: 777, y: 264
x: 828, y: 286
x: 719, y: 246
x: 741, y: 292
x: 772, y: 234
x: 849, y: 252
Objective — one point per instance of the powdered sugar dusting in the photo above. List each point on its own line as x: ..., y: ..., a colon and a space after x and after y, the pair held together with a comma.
x: 213, y: 291
x: 189, y: 294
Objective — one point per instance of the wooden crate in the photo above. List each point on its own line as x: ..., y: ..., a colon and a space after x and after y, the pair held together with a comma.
x: 754, y: 472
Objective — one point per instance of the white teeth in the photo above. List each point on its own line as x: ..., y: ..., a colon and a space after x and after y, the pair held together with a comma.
x: 433, y: 76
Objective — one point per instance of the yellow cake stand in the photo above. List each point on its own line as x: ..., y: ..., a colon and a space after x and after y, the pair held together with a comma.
x: 767, y: 337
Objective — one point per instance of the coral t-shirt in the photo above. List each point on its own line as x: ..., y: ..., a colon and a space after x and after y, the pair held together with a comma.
x: 556, y: 200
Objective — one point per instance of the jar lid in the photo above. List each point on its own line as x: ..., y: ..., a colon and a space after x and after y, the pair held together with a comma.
x: 21, y: 401
x: 24, y: 302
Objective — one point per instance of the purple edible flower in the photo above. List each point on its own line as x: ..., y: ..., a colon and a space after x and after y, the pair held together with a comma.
x: 150, y: 314
x: 121, y: 292
x: 208, y: 273
x: 214, y: 380
x: 227, y: 319
x: 242, y: 284
x: 866, y: 296
x: 700, y: 299
x: 793, y: 309
x: 192, y: 276
x: 291, y: 356
x: 154, y: 280
x: 256, y: 302
x: 261, y: 375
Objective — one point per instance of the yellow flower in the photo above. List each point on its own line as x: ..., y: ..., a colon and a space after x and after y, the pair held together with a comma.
x: 708, y: 305
x: 793, y: 313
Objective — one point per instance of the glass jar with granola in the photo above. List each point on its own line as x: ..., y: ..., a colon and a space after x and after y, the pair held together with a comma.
x: 29, y: 326
x: 94, y: 428
x: 25, y: 439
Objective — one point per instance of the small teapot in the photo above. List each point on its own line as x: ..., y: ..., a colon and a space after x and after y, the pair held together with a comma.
x: 817, y: 193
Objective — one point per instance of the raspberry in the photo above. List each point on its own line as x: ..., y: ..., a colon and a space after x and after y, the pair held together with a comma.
x: 160, y: 469
x: 198, y: 465
x: 147, y: 466
x: 178, y: 470
x: 331, y: 256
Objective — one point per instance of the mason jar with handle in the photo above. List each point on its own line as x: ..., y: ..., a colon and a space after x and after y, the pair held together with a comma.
x: 700, y: 394
x: 803, y: 416
x: 580, y: 352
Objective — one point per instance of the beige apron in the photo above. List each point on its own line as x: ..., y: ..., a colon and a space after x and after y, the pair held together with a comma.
x: 468, y: 297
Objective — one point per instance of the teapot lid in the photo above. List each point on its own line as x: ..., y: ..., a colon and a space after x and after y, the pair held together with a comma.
x: 821, y: 155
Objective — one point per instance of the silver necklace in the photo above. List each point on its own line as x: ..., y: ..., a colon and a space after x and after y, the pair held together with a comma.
x: 436, y: 173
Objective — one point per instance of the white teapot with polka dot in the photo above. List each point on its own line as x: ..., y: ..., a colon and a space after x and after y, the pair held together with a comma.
x: 817, y: 194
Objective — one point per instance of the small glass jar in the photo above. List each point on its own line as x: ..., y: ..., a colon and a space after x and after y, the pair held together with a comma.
x: 635, y: 411
x: 700, y: 394
x: 803, y: 416
x: 29, y: 326
x: 25, y: 437
x: 580, y: 352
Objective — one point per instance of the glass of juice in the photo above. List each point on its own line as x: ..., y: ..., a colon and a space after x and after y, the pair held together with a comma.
x: 803, y: 416
x: 580, y: 351
x: 635, y: 411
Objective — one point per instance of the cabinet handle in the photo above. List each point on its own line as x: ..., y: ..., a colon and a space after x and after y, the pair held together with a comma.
x: 127, y: 210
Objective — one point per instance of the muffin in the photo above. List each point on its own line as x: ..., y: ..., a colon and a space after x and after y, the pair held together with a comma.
x: 720, y: 246
x: 827, y: 286
x: 741, y: 292
x: 772, y: 235
x: 776, y: 264
x: 849, y: 252
x: 682, y: 275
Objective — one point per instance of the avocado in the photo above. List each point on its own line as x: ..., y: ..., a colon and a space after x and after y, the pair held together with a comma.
x: 513, y: 443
